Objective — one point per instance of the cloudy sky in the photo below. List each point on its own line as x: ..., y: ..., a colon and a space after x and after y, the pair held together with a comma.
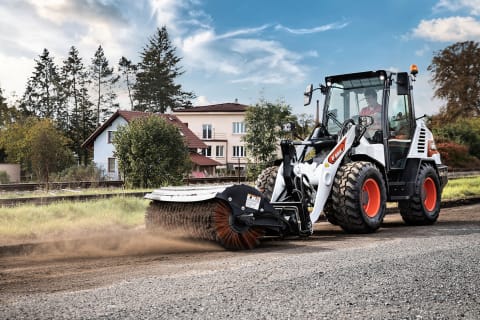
x: 242, y: 49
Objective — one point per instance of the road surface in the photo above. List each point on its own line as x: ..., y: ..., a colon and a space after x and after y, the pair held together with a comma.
x: 399, y: 272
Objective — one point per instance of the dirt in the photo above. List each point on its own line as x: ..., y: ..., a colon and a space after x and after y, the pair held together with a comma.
x: 102, y: 260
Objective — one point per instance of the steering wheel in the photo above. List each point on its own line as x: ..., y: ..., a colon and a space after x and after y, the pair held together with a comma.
x: 347, y: 124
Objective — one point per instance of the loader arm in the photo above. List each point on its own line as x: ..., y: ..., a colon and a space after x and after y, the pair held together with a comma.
x: 325, y: 172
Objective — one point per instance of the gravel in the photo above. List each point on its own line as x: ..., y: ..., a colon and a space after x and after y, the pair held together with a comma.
x: 417, y: 277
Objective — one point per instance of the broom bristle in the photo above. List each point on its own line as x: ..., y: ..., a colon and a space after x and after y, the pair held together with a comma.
x: 230, y: 238
x: 209, y: 220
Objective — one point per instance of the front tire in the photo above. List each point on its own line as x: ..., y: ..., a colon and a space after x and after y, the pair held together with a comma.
x: 266, y: 181
x: 424, y: 207
x: 359, y: 197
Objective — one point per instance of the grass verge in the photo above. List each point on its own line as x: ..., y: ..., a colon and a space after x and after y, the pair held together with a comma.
x: 66, y: 220
x: 461, y: 188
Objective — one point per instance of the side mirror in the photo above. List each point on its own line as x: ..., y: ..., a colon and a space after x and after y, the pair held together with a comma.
x: 402, y: 83
x: 307, y: 95
x: 365, y: 121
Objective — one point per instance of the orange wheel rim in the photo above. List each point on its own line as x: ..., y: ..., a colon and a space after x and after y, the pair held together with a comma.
x: 430, y: 193
x: 371, y: 198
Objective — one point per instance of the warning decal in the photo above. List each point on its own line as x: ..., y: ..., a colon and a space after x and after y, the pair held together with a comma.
x: 252, y: 201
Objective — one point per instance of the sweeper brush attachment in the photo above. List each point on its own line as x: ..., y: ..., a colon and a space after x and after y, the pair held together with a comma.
x: 210, y: 213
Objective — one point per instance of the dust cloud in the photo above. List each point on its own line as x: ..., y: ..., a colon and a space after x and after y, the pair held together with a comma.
x: 113, y: 243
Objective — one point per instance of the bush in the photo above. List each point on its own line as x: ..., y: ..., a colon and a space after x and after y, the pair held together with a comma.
x: 4, y: 178
x: 456, y: 155
x: 79, y: 173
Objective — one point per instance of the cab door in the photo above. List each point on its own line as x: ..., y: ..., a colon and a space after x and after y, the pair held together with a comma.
x: 400, y: 125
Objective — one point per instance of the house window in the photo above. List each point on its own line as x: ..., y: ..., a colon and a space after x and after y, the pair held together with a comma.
x: 207, y: 131
x: 110, y: 135
x: 239, y: 127
x: 219, y: 151
x: 111, y: 165
x: 239, y: 151
x: 207, y: 151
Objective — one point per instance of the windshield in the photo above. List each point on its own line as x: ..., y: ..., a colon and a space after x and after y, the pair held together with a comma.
x: 348, y: 99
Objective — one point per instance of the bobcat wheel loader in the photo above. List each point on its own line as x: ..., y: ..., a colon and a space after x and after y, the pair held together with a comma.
x: 347, y: 170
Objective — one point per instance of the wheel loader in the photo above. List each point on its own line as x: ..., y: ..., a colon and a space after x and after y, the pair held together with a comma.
x: 350, y: 166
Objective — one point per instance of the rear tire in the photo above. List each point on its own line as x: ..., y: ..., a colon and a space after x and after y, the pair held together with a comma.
x: 266, y: 181
x: 359, y: 197
x: 424, y: 207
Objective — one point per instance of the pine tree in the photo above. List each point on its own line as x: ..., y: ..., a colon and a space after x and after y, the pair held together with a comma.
x: 155, y: 89
x: 8, y: 114
x: 42, y: 97
x: 128, y: 70
x: 3, y: 110
x: 80, y: 114
x: 103, y: 81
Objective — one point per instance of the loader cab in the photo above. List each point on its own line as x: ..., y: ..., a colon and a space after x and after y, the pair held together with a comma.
x: 383, y: 97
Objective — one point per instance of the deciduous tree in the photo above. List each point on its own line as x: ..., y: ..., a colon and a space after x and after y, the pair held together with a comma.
x: 151, y: 153
x: 456, y: 76
x: 264, y: 121
x: 37, y: 145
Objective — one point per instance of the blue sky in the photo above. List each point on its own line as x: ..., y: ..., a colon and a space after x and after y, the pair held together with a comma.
x: 245, y: 49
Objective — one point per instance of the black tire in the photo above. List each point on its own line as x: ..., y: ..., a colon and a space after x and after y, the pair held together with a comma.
x: 424, y: 207
x: 359, y: 197
x: 329, y: 211
x: 266, y: 181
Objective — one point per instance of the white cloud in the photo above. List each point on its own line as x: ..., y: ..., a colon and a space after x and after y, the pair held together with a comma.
x: 473, y: 6
x: 241, y: 32
x: 202, y: 101
x: 423, y: 92
x: 323, y: 28
x: 448, y: 29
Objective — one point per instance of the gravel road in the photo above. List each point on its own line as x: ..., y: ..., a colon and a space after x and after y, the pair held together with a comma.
x: 398, y: 272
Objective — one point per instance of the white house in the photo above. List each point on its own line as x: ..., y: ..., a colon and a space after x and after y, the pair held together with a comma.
x: 103, y: 149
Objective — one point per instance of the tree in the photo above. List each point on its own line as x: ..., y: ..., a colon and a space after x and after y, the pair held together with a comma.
x: 13, y: 140
x: 42, y: 97
x: 7, y: 114
x: 264, y: 121
x: 48, y: 150
x: 79, y: 120
x: 155, y: 89
x: 103, y: 81
x: 37, y: 145
x: 151, y: 153
x: 128, y: 70
x: 456, y: 76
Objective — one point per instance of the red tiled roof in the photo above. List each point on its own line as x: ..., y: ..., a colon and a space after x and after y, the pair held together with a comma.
x: 223, y: 107
x: 193, y: 142
x: 200, y: 160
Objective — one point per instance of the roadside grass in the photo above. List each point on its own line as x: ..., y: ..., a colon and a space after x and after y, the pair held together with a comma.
x: 70, y: 219
x: 461, y: 188
x: 73, y: 219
